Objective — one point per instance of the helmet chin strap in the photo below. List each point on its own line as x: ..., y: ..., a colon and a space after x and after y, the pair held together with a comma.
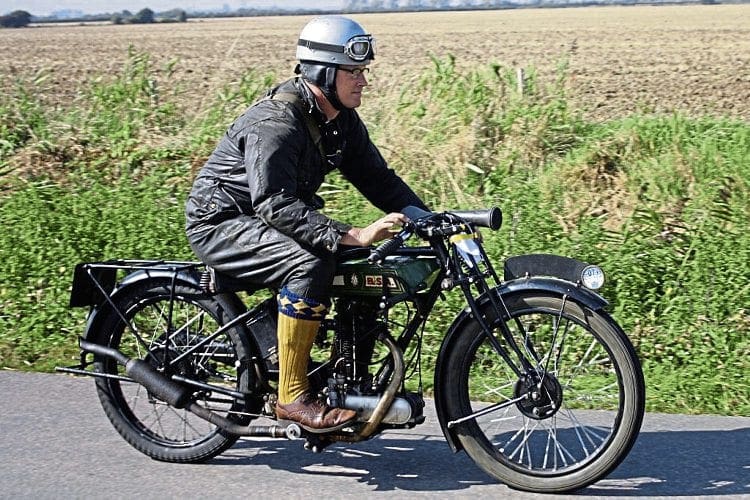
x: 322, y: 76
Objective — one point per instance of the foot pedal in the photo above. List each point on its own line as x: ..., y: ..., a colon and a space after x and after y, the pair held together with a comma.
x: 293, y: 431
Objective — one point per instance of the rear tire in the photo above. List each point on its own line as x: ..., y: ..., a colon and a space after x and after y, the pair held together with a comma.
x: 568, y: 421
x: 150, y: 425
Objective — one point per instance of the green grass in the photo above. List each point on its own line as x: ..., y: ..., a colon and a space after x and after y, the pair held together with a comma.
x: 660, y: 201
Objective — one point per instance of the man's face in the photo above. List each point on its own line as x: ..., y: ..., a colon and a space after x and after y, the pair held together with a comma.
x: 350, y: 80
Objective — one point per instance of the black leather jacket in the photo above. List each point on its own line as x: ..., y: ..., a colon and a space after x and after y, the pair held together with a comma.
x: 268, y: 165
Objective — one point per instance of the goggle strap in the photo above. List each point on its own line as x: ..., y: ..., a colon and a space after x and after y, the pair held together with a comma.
x: 320, y: 46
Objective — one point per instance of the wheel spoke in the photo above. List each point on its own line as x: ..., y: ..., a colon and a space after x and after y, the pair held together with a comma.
x: 484, y: 411
x: 555, y: 345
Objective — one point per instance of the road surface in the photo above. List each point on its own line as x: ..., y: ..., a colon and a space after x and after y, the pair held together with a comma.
x: 55, y: 442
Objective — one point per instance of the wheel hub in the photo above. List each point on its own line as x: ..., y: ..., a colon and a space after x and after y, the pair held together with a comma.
x: 543, y: 395
x: 156, y: 358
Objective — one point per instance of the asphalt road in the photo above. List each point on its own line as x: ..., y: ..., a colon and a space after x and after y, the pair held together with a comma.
x: 55, y: 442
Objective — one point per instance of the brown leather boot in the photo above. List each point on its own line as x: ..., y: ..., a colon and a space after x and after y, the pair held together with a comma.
x: 314, y: 415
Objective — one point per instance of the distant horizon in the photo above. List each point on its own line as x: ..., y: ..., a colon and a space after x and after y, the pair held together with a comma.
x: 70, y: 9
x: 46, y: 8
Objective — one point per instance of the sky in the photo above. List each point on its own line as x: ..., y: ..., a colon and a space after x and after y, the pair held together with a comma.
x: 46, y: 7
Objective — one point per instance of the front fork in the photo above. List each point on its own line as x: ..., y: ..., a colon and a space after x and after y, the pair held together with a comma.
x: 533, y: 387
x: 475, y: 272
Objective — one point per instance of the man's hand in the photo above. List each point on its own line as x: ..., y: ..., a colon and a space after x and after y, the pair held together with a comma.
x: 377, y: 231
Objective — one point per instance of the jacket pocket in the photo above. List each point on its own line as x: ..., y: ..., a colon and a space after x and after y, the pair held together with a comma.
x: 202, y: 203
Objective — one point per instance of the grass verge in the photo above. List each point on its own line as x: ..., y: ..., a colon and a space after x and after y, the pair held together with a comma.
x: 661, y: 202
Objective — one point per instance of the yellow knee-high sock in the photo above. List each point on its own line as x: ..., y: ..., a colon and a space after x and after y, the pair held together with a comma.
x: 296, y: 337
x: 299, y: 320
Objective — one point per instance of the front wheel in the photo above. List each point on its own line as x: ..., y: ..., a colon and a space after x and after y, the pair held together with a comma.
x: 563, y: 421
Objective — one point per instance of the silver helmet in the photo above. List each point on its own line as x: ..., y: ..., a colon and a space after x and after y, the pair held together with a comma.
x: 335, y: 40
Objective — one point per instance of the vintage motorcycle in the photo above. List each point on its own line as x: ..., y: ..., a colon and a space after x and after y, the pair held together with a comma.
x: 533, y: 379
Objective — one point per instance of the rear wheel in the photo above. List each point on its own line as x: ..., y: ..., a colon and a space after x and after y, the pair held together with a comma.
x: 161, y: 332
x: 569, y: 418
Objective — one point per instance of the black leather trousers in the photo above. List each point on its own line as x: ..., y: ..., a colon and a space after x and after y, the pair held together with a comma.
x: 248, y: 249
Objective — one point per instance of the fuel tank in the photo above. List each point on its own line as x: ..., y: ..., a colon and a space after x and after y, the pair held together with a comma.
x: 398, y: 274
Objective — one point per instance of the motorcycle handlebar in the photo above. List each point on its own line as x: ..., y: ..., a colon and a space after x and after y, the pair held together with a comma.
x: 485, y: 217
x: 489, y: 217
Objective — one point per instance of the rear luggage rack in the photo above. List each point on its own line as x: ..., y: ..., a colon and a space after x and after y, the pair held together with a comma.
x: 94, y: 281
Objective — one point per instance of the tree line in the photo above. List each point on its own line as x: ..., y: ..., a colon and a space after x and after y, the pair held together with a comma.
x: 21, y: 18
x: 420, y: 5
x: 16, y: 19
x: 146, y: 16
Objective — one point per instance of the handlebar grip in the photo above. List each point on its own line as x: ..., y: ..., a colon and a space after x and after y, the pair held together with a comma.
x: 385, y: 249
x: 415, y: 213
x: 489, y: 217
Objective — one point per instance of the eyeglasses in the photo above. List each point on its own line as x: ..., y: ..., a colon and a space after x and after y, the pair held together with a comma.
x: 356, y: 72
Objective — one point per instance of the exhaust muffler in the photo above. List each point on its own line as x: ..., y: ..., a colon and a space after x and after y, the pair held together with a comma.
x: 142, y: 372
x: 399, y: 413
x: 179, y: 396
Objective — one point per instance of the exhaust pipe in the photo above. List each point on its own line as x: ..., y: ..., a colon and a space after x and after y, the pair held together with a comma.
x: 276, y: 431
x: 179, y: 396
x: 384, y: 403
x: 145, y: 374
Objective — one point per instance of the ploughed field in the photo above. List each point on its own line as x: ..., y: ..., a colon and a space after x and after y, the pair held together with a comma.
x: 695, y: 58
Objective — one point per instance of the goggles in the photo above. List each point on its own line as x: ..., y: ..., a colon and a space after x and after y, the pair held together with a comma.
x: 357, y: 48
x: 361, y: 47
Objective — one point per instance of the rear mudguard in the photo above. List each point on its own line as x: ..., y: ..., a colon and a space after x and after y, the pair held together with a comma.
x: 229, y: 301
x: 545, y: 285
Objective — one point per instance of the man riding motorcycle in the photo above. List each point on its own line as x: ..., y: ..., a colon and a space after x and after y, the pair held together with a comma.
x: 253, y: 212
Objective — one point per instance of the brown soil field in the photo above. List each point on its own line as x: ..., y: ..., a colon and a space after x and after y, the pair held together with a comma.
x: 695, y: 59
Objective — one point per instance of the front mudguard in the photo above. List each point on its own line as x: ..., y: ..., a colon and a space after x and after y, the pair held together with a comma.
x: 538, y: 284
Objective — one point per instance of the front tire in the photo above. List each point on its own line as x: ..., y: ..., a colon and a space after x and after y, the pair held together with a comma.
x: 569, y: 419
x: 150, y: 425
